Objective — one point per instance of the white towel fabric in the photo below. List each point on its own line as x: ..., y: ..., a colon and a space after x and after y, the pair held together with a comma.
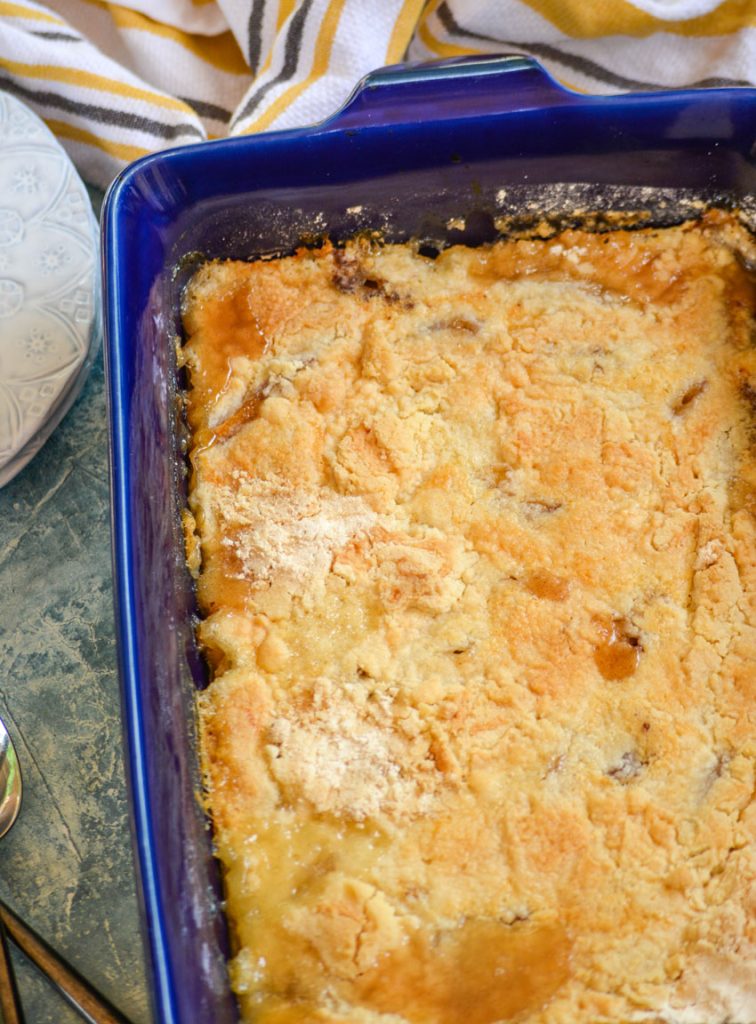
x: 117, y: 81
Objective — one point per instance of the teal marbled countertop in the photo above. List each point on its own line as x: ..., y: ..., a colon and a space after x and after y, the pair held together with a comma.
x: 66, y: 866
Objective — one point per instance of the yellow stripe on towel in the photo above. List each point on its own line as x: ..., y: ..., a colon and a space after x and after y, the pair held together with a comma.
x: 88, y: 79
x: 404, y: 27
x: 117, y: 149
x: 221, y: 51
x: 585, y: 20
x: 323, y: 47
x: 20, y: 11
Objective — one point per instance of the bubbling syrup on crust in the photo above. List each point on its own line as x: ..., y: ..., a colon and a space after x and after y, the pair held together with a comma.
x: 482, y: 972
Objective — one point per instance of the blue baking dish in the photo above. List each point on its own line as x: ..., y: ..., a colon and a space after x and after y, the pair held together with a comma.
x: 444, y: 152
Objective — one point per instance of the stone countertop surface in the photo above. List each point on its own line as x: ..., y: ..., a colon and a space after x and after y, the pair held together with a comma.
x: 66, y: 866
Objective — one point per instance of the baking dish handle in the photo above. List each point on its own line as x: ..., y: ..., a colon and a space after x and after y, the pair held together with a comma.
x: 445, y: 89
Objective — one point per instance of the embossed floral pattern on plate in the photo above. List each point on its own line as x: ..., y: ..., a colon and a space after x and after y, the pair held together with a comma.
x: 49, y: 287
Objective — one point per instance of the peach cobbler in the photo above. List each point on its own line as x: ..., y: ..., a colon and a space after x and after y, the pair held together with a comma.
x: 474, y: 547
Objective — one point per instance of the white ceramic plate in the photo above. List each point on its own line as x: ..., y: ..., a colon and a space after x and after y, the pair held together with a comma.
x: 49, y: 284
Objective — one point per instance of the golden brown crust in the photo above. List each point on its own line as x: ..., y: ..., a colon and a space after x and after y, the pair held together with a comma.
x: 477, y: 572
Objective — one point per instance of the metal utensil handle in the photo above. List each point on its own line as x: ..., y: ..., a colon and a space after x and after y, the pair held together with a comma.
x: 93, y: 1007
x: 10, y: 1001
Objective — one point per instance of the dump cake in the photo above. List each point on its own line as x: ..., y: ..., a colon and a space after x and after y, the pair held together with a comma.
x: 474, y: 546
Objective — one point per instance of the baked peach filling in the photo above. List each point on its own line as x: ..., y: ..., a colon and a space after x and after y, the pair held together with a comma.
x: 474, y: 546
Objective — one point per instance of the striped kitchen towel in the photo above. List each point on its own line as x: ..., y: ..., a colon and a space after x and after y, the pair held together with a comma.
x: 117, y: 81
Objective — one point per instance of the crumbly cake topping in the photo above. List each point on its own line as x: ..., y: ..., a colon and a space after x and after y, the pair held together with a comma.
x: 476, y: 554
x: 277, y: 532
x: 344, y: 758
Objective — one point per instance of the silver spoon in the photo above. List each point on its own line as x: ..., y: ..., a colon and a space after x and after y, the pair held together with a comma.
x: 10, y: 804
x: 90, y: 1004
x: 10, y: 781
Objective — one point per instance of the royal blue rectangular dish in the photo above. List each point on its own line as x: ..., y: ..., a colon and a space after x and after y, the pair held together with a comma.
x: 453, y: 151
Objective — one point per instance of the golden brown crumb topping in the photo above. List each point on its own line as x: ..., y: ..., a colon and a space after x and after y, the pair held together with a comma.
x: 477, y: 576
